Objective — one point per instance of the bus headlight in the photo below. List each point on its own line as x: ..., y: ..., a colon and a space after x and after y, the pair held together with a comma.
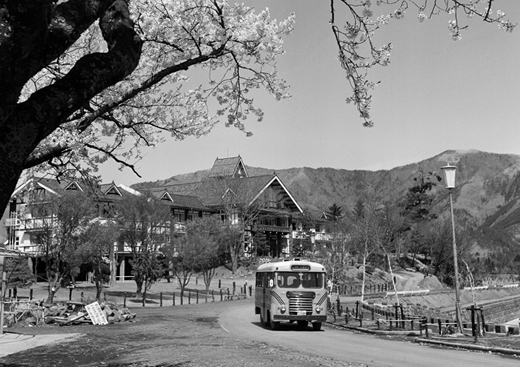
x: 282, y: 309
x: 318, y: 309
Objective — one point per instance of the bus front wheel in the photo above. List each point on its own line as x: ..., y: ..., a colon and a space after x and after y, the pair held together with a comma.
x: 275, y: 325
x: 316, y: 326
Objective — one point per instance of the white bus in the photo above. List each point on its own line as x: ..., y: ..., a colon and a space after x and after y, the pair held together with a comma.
x: 291, y: 291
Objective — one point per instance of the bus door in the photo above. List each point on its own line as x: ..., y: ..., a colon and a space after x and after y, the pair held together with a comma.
x: 268, y: 284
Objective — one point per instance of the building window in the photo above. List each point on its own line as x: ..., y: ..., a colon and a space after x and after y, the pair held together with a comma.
x: 268, y: 221
x: 179, y: 215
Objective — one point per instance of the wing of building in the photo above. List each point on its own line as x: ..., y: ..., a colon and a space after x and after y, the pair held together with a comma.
x: 273, y: 222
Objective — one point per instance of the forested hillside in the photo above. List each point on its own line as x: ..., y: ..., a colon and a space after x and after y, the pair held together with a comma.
x: 486, y: 199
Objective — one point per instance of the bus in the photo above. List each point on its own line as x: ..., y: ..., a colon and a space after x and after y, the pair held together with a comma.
x: 293, y: 291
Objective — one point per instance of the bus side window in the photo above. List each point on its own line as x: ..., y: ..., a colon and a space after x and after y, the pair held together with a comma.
x: 258, y: 282
x: 280, y: 280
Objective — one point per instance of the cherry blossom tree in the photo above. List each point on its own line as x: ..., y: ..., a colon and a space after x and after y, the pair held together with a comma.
x: 356, y: 23
x: 86, y: 81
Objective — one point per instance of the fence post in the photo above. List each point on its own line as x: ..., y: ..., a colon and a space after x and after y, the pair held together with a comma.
x: 144, y: 300
x: 234, y: 288
x: 197, y: 296
x: 220, y: 283
x: 479, y: 328
x: 189, y: 297
x: 402, y: 316
x: 160, y: 299
x: 124, y: 300
x: 70, y: 294
x: 173, y: 299
x: 482, y: 318
x: 30, y: 294
x: 81, y: 296
x: 221, y: 294
x: 357, y: 309
x: 396, y: 306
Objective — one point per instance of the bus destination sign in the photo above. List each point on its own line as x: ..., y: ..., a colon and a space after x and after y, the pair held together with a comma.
x: 300, y: 267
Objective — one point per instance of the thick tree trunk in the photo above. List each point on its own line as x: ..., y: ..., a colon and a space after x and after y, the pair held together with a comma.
x: 37, y: 32
x: 139, y: 285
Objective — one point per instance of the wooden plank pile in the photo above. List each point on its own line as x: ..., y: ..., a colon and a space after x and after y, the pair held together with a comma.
x: 74, y: 313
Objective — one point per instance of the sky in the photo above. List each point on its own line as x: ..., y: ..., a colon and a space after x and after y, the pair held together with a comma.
x: 436, y: 94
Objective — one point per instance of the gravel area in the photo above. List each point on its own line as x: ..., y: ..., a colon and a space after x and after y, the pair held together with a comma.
x: 187, y: 336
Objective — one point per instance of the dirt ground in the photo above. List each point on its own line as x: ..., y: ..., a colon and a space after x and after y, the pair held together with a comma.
x: 187, y: 336
x: 166, y: 336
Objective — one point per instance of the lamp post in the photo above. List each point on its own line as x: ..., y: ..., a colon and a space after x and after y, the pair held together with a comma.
x: 449, y: 176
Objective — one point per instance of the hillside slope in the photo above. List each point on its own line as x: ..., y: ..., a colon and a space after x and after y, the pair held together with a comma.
x: 486, y: 199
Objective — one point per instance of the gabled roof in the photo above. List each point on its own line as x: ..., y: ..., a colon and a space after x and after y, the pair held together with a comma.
x: 72, y: 185
x: 176, y: 200
x: 288, y: 200
x: 192, y: 202
x: 248, y: 190
x: 52, y: 185
x: 110, y: 189
x: 228, y: 167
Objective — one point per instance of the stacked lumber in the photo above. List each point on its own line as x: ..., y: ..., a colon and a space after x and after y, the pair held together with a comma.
x: 74, y: 313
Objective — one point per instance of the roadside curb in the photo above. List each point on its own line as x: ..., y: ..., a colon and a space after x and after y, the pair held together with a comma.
x: 13, y: 342
x: 430, y: 341
x: 469, y: 346
x: 376, y: 332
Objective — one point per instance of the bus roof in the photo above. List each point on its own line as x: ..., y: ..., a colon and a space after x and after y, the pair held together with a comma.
x: 288, y: 266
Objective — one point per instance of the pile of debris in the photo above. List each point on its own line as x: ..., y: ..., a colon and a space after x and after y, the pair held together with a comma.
x: 67, y: 313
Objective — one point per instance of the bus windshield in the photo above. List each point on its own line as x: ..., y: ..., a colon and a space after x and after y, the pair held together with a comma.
x: 295, y: 280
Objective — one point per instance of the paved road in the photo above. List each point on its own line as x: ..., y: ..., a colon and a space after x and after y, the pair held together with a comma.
x: 239, y: 320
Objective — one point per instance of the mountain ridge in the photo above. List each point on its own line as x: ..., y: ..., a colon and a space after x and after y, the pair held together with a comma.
x: 486, y: 198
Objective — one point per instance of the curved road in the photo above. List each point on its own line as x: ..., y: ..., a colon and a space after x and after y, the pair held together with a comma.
x: 239, y: 319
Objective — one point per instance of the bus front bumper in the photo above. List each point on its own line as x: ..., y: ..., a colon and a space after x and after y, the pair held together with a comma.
x: 322, y: 318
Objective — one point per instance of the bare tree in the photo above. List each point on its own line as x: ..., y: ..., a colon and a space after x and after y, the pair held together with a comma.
x: 58, y: 218
x: 145, y: 228
x: 98, y: 239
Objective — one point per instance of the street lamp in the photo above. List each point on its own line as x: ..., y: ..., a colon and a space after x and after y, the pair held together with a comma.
x: 449, y: 176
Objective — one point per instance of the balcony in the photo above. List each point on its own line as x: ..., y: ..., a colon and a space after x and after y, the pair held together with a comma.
x: 13, y: 222
x: 36, y: 224
x: 271, y: 228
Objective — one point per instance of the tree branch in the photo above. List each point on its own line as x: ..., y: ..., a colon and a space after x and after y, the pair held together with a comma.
x: 45, y: 156
x: 49, y: 107
x: 156, y: 78
x: 131, y: 166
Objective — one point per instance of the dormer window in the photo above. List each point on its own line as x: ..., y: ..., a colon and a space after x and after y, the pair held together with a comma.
x: 73, y: 186
x: 113, y: 191
x: 167, y: 197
